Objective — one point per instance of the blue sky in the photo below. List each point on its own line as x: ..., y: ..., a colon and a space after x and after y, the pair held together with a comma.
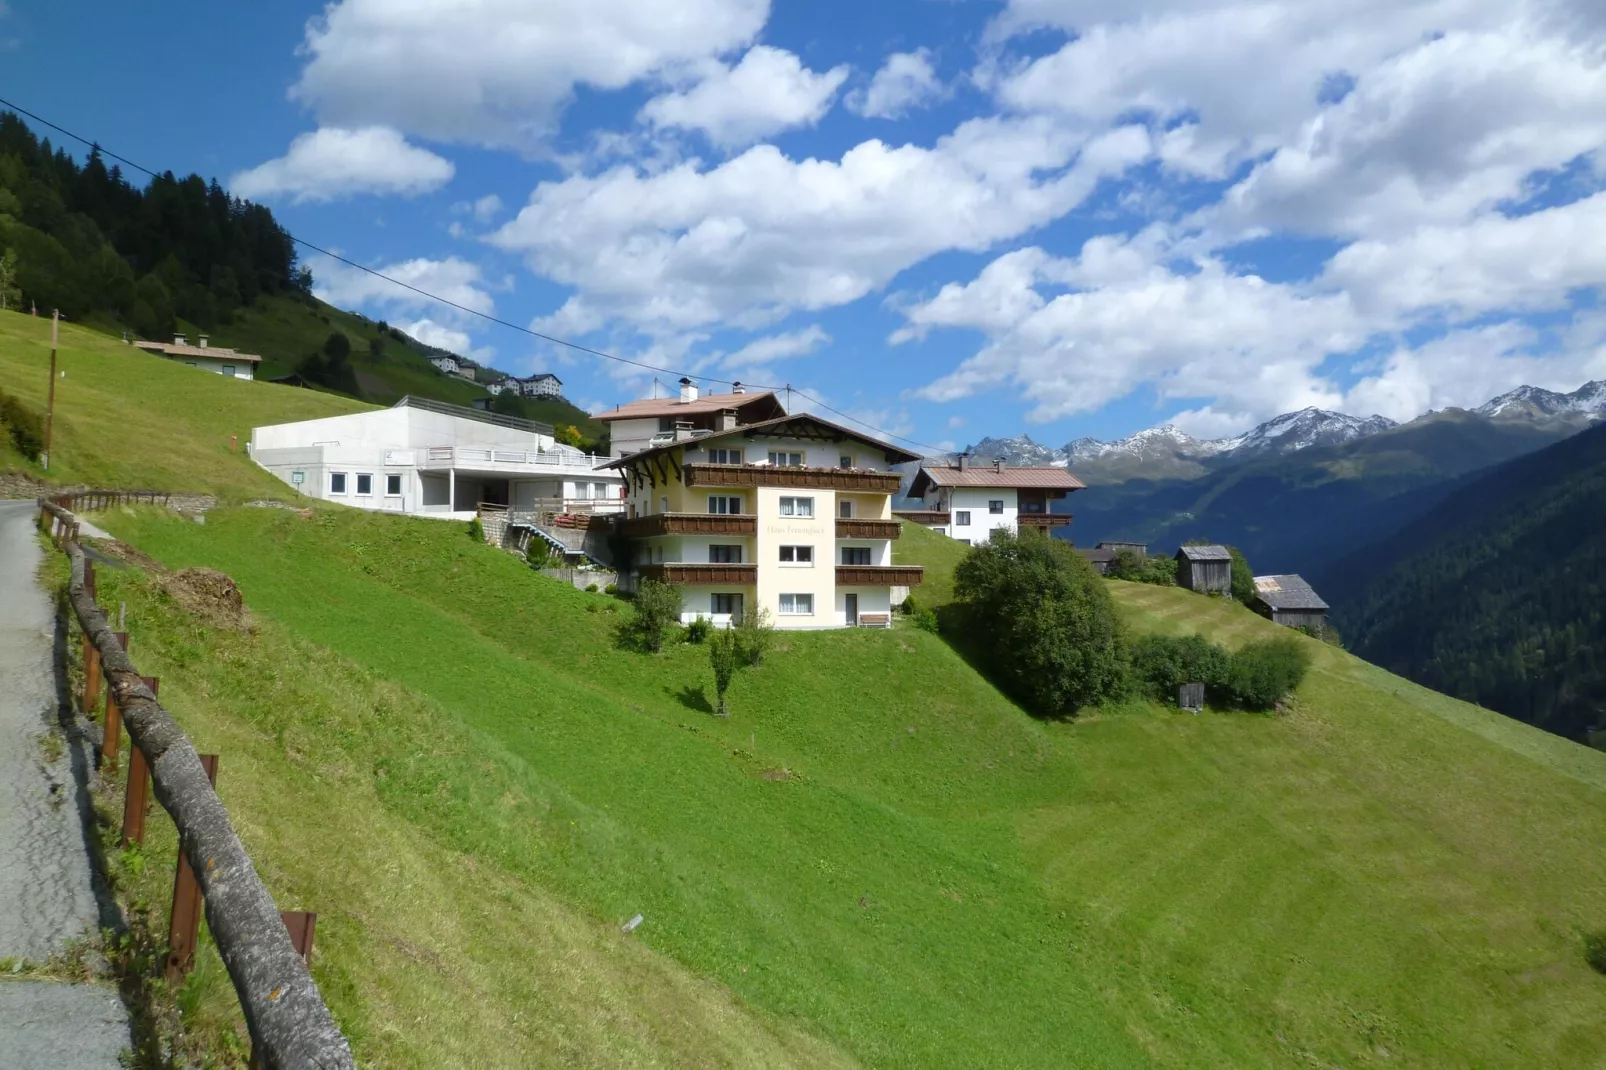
x: 951, y: 219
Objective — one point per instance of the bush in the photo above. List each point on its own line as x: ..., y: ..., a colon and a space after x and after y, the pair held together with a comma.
x: 1264, y: 672
x: 698, y: 630
x: 657, y: 608
x: 1045, y: 622
x: 1161, y: 664
x: 724, y: 657
x: 909, y: 607
x: 538, y: 554
x: 926, y: 621
x: 26, y: 426
x: 1243, y: 577
x: 754, y: 635
x: 1595, y: 950
x: 591, y: 588
x: 1133, y: 566
x: 612, y: 588
x: 476, y: 530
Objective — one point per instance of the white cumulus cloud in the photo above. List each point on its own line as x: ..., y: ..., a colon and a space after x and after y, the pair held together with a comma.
x: 906, y: 81
x: 767, y: 92
x: 331, y: 163
x: 453, y: 278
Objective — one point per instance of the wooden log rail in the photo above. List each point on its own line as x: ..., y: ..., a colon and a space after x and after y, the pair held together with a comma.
x: 96, y: 500
x: 290, y: 1027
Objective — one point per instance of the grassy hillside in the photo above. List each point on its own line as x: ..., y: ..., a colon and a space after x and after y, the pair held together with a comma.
x: 1495, y: 596
x: 125, y: 418
x: 880, y: 852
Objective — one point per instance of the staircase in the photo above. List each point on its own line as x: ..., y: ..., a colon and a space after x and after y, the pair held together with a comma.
x: 493, y: 519
x: 572, y: 536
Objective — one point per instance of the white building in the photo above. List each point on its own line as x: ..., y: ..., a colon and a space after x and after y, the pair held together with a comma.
x: 639, y: 425
x: 545, y: 385
x: 966, y: 501
x: 434, y: 459
x: 206, y: 357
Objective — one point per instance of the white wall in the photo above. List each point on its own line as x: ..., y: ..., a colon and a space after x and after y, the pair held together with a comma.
x: 243, y: 369
x: 975, y: 501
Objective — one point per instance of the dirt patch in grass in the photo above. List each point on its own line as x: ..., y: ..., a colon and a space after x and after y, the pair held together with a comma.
x: 208, y: 594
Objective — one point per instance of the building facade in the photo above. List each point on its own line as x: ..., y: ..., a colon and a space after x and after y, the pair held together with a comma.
x: 968, y: 502
x: 208, y: 358
x: 430, y: 458
x: 640, y: 425
x: 544, y: 385
x: 792, y: 515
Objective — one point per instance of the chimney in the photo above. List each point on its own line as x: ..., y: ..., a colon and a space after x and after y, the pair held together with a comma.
x: 682, y: 430
x: 203, y: 341
x: 688, y: 391
x: 727, y: 420
x: 964, y: 461
x: 998, y: 464
x: 178, y: 339
x: 738, y: 388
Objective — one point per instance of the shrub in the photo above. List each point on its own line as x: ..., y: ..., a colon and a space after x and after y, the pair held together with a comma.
x: 538, y: 554
x: 657, y: 607
x: 26, y: 426
x: 476, y: 530
x: 1266, y: 671
x: 909, y: 607
x: 1044, y: 620
x: 1243, y: 577
x: 754, y: 634
x: 1595, y: 950
x: 612, y: 588
x: 926, y: 621
x: 698, y: 630
x: 724, y: 657
x: 1161, y: 664
x: 591, y: 588
x: 1130, y: 565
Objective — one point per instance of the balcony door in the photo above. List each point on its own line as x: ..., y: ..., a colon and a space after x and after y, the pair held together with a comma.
x: 852, y: 601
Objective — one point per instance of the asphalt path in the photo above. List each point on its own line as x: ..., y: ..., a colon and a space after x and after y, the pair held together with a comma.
x: 50, y: 897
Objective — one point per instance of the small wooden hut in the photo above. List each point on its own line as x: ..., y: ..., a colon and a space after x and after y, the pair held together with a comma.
x: 1205, y: 569
x: 1098, y: 557
x: 1290, y: 601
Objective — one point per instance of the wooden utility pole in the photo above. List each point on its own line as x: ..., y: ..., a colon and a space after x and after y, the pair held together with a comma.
x: 50, y: 405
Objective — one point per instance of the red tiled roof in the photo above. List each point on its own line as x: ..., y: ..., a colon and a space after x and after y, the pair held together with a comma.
x: 985, y: 475
x: 708, y: 403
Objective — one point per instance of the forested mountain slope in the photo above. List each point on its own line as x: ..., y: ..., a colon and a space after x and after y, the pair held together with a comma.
x: 1496, y: 594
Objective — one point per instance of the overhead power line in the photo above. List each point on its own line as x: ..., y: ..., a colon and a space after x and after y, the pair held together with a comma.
x: 487, y: 317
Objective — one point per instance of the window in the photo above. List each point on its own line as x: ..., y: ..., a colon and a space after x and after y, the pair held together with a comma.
x: 724, y: 456
x: 228, y: 369
x: 962, y: 518
x: 599, y: 490
x: 797, y: 555
x: 844, y: 509
x: 845, y: 461
x: 666, y: 424
x: 724, y: 555
x: 855, y: 555
x: 965, y: 541
x: 663, y: 505
x: 720, y: 503
x: 995, y: 507
x: 337, y: 482
x: 797, y: 506
x: 393, y: 485
x: 726, y: 603
x: 786, y: 460
x: 797, y: 605
x: 365, y: 483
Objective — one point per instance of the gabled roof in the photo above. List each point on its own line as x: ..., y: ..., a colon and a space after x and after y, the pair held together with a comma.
x: 777, y: 428
x: 761, y: 406
x: 1206, y: 553
x: 1287, y: 592
x: 951, y: 475
x: 208, y: 352
x: 541, y: 376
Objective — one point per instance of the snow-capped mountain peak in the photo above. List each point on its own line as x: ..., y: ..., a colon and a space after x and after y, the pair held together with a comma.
x: 1534, y: 401
x: 1308, y: 427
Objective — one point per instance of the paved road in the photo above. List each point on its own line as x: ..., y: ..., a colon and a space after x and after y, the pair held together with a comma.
x: 48, y: 893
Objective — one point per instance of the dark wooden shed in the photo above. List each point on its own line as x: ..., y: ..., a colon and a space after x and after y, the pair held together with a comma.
x: 1099, y: 557
x: 1115, y: 547
x: 1290, y: 601
x: 1205, y: 569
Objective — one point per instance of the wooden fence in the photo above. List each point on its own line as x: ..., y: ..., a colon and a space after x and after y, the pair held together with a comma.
x: 90, y: 501
x: 290, y: 1026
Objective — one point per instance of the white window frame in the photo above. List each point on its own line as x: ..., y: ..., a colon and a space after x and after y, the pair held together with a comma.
x: 342, y: 476
x: 393, y: 479
x: 724, y: 455
x: 797, y: 507
x: 725, y: 500
x: 786, y: 458
x: 962, y: 518
x: 802, y: 605
x: 797, y: 556
x: 369, y: 476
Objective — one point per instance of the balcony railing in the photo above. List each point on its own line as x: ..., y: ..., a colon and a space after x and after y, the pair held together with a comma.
x: 879, y: 575
x: 1043, y: 521
x: 847, y: 528
x: 470, y: 457
x: 757, y: 475
x: 646, y: 527
x: 701, y: 575
x: 927, y: 517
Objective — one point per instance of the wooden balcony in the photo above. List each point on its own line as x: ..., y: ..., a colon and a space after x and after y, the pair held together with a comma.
x: 645, y: 527
x: 1042, y: 521
x: 925, y: 517
x: 879, y: 575
x: 754, y: 475
x: 693, y: 575
x: 867, y: 529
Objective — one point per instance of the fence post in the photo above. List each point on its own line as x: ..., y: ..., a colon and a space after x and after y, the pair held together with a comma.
x: 301, y: 924
x: 136, y: 797
x: 184, y: 928
x: 112, y: 729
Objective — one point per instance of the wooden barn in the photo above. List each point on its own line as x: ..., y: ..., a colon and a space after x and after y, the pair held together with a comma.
x: 1098, y: 556
x: 1115, y: 547
x: 1290, y: 601
x: 1205, y: 569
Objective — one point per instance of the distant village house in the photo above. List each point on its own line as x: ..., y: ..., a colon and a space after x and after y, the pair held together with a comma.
x: 450, y: 365
x: 1102, y: 556
x: 640, y: 425
x: 544, y: 385
x: 206, y: 357
x: 968, y: 502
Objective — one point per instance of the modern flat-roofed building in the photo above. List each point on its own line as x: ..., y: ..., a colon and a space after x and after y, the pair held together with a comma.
x: 967, y: 501
x: 792, y: 514
x: 434, y: 459
x: 639, y: 425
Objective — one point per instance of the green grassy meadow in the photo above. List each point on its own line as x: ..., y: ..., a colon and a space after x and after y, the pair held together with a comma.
x: 877, y: 851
